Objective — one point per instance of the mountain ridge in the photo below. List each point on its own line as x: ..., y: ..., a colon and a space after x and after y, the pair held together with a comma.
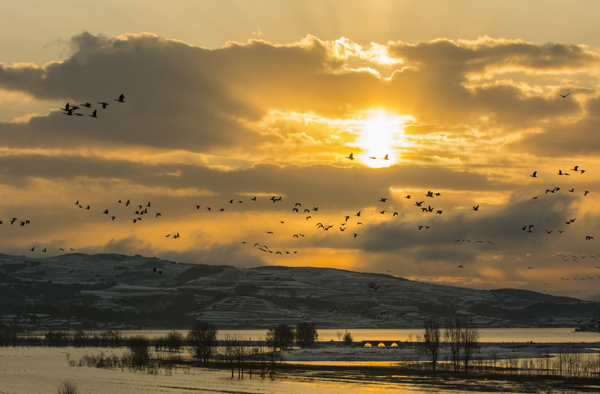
x: 81, y: 291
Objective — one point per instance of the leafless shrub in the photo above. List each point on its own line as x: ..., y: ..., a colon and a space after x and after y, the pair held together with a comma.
x: 66, y: 387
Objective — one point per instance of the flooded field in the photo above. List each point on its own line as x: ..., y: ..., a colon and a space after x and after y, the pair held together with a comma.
x: 42, y: 370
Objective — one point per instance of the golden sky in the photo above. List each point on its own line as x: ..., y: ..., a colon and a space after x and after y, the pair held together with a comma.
x: 331, y: 108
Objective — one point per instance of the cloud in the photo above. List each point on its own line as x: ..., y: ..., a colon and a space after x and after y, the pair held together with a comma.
x: 190, y: 98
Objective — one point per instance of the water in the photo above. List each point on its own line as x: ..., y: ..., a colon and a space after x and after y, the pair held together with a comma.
x: 41, y: 370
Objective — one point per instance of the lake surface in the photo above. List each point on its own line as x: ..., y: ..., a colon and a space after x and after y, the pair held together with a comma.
x: 555, y: 335
x: 42, y: 370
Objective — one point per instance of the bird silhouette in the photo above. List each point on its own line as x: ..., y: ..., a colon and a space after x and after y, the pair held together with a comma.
x: 121, y: 98
x: 564, y: 95
x: 94, y: 114
x: 103, y: 104
x: 534, y: 175
x: 351, y: 156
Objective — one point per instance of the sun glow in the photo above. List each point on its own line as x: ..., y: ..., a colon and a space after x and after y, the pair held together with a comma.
x: 380, y: 137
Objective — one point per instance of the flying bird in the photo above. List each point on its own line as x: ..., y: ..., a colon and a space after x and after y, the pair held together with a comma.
x: 351, y: 156
x: 121, y: 98
x: 564, y: 95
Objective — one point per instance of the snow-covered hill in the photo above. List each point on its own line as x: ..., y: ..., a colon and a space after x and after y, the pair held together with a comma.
x: 109, y: 290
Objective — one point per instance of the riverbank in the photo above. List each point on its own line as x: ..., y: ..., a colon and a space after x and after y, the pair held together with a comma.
x: 408, y: 352
x: 405, y: 379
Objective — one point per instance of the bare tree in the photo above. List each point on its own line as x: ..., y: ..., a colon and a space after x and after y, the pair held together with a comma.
x: 174, y: 341
x: 139, y: 351
x: 463, y: 338
x: 241, y: 354
x: 202, y: 340
x: 470, y: 341
x: 348, y: 339
x: 306, y: 334
x: 272, y: 358
x: 228, y: 349
x: 280, y: 337
x: 452, y: 336
x: 430, y: 343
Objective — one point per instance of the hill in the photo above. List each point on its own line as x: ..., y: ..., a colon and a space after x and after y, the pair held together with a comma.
x: 79, y: 291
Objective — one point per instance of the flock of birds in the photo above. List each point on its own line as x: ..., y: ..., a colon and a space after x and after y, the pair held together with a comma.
x: 529, y: 228
x: 138, y: 212
x: 71, y: 110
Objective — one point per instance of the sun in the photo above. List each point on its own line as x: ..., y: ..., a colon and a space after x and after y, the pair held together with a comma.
x: 381, y: 134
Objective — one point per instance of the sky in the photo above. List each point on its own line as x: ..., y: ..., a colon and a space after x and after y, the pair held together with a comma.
x: 451, y: 142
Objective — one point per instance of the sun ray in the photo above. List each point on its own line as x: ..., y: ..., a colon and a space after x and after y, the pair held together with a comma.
x: 381, y: 138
